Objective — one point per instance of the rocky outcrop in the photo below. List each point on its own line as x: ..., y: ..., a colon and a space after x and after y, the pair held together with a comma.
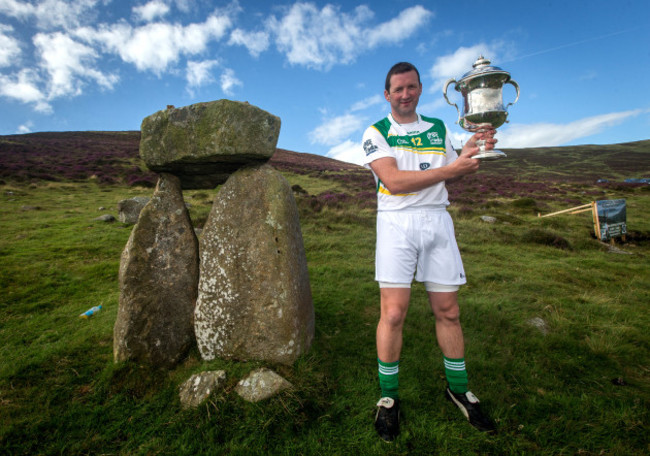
x: 158, y: 282
x: 204, y: 143
x: 254, y: 297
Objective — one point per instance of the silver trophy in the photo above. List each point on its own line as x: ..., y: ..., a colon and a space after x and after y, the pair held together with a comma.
x: 481, y: 89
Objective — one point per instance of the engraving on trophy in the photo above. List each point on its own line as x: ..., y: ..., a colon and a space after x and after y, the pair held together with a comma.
x: 482, y: 92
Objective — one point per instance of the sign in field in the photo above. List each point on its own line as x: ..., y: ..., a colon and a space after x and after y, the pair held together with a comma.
x: 610, y: 217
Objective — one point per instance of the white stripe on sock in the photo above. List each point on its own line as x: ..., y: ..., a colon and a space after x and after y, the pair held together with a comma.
x: 455, y: 365
x: 388, y: 370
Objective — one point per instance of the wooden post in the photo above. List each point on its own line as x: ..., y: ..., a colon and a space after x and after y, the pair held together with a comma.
x: 594, y: 212
x: 576, y: 209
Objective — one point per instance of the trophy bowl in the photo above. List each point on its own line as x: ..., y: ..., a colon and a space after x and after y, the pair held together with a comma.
x: 482, y: 92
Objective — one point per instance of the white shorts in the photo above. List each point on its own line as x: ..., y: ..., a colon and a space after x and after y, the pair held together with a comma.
x: 418, y: 242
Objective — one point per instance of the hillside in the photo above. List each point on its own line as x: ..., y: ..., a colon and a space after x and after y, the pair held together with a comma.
x: 586, y: 163
x: 112, y: 157
x: 109, y: 158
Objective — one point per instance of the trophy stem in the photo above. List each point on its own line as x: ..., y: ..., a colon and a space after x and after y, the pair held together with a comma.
x: 488, y: 154
x: 483, y: 154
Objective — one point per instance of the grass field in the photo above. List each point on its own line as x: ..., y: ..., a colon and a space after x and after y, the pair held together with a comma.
x: 578, y: 384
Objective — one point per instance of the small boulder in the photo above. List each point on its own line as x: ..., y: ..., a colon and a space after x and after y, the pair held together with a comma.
x: 261, y: 384
x: 128, y: 210
x: 200, y: 386
x: 108, y: 218
x: 540, y: 324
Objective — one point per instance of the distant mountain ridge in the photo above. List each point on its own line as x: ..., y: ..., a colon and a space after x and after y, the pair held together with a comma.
x: 113, y: 157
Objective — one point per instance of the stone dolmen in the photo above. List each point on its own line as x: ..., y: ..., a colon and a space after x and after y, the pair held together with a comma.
x: 242, y: 291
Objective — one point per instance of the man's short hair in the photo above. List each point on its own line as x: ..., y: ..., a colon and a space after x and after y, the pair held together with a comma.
x: 399, y: 68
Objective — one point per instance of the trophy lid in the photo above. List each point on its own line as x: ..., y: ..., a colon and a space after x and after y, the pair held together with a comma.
x: 482, y: 67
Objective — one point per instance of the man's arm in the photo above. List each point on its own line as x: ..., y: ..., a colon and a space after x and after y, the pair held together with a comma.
x: 400, y: 181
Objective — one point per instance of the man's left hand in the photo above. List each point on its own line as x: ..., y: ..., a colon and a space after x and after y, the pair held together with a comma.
x: 486, y: 134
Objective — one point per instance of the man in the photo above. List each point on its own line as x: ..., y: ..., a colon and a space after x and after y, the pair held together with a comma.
x: 411, y: 158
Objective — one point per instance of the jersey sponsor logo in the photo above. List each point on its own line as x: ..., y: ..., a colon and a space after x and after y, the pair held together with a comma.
x: 424, y: 166
x: 434, y: 139
x: 402, y: 142
x: 369, y: 147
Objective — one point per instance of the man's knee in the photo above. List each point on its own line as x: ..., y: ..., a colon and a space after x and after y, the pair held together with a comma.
x: 445, y: 307
x: 394, y: 305
x: 393, y: 315
x: 449, y: 314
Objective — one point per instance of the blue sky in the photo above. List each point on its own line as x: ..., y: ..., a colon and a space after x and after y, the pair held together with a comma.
x: 582, y: 66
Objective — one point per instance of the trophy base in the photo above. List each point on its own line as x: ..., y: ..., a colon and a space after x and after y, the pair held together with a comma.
x: 490, y: 155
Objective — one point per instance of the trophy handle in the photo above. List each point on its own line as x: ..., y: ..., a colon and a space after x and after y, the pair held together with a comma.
x: 516, y: 87
x: 444, y: 92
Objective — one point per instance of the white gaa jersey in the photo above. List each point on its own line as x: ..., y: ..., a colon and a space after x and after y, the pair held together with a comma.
x: 417, y: 146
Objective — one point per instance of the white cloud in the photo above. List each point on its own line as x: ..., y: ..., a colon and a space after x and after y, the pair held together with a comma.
x: 367, y: 103
x: 150, y: 11
x: 315, y: 38
x: 348, y: 151
x: 229, y: 81
x: 546, y: 134
x: 399, y: 28
x: 322, y: 38
x: 460, y: 62
x: 69, y: 57
x: 458, y: 139
x: 50, y: 14
x: 9, y: 47
x: 58, y: 13
x: 19, y: 10
x: 157, y: 46
x: 255, y: 42
x: 68, y: 63
x: 25, y: 128
x: 336, y: 129
x: 24, y: 87
x: 200, y: 73
x: 185, y: 5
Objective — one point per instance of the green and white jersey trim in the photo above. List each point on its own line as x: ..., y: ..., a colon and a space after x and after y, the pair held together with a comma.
x: 417, y: 146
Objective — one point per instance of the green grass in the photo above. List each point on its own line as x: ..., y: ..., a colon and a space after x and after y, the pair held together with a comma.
x: 551, y: 394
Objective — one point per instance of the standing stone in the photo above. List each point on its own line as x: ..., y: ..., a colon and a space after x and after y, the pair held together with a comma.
x: 158, y: 282
x: 254, y: 296
x: 204, y: 143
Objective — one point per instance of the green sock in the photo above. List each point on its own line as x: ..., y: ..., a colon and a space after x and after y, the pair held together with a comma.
x: 388, y: 373
x: 456, y: 374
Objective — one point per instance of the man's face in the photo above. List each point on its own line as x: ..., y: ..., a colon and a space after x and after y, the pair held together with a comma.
x: 403, y: 96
